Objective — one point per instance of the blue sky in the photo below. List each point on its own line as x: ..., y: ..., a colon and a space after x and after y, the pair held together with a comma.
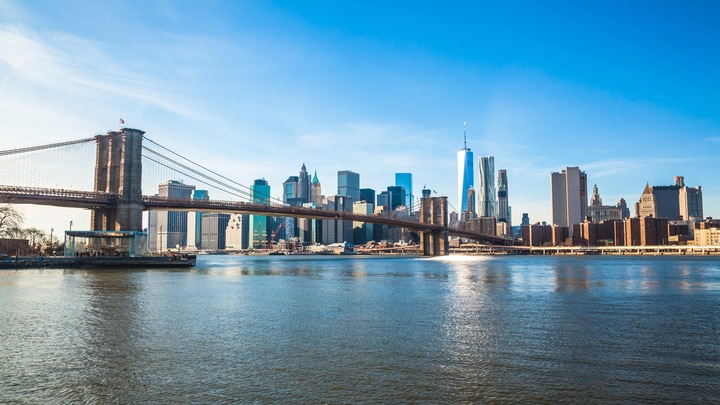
x: 627, y: 91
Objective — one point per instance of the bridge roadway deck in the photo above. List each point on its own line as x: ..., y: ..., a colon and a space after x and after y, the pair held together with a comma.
x: 56, y: 197
x: 90, y: 200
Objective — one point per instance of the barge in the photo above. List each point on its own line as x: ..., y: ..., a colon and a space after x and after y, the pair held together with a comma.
x: 101, y: 249
x: 97, y: 262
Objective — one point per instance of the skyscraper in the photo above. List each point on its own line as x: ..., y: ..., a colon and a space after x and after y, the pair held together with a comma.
x: 258, y: 232
x: 405, y: 180
x: 316, y: 191
x: 168, y: 229
x: 676, y: 202
x: 303, y: 188
x: 349, y: 184
x: 465, y: 173
x: 691, y: 205
x: 367, y: 195
x: 568, y: 190
x: 503, y: 213
x: 486, y: 190
x: 397, y: 196
x: 197, y: 195
x: 660, y: 202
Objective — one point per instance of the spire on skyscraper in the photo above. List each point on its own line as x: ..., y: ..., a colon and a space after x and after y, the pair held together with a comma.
x: 464, y: 135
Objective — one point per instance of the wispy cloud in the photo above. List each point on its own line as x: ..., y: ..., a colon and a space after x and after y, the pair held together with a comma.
x: 77, y: 67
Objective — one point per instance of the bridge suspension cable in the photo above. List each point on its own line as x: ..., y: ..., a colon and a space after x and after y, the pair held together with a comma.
x: 43, y: 147
x: 233, y: 188
x: 64, y: 165
x: 242, y: 194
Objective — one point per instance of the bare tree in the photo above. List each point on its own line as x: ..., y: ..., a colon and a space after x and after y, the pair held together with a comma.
x: 35, y: 237
x: 10, y: 218
x: 14, y: 232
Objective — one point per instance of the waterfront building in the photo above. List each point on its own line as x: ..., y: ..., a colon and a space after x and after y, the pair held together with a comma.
x: 336, y: 230
x: 691, y: 205
x: 605, y: 233
x: 487, y: 201
x: 349, y: 184
x: 214, y: 230
x: 308, y: 233
x: 488, y: 225
x: 404, y: 180
x: 568, y: 191
x: 470, y: 213
x: 465, y: 173
x: 676, y: 202
x: 660, y: 202
x: 362, y: 231
x: 236, y: 231
x: 537, y: 235
x: 195, y: 222
x: 597, y: 212
x: 646, y: 231
x: 504, y: 213
x: 168, y: 229
x: 707, y: 233
x: 707, y: 237
x: 259, y: 224
x: 559, y: 235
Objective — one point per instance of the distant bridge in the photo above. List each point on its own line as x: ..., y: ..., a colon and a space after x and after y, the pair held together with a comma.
x: 117, y: 202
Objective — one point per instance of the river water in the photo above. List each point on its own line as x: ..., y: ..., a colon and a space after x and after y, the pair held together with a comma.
x: 311, y: 329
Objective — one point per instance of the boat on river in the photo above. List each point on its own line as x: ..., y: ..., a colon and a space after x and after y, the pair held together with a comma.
x: 98, y: 262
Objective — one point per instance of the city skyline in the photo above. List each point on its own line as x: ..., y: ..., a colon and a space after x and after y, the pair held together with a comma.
x: 342, y: 87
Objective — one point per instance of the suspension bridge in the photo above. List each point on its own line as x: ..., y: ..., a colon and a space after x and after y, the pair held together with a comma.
x: 128, y: 167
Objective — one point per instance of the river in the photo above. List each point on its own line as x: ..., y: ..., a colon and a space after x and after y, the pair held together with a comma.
x: 319, y: 329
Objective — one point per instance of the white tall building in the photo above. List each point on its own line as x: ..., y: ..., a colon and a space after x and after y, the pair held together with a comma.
x: 465, y: 174
x: 233, y: 232
x: 568, y: 190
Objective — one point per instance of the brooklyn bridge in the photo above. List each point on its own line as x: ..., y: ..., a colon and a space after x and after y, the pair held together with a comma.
x: 50, y: 175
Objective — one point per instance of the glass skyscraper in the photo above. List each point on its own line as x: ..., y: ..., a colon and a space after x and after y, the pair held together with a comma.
x: 465, y: 174
x: 486, y: 189
x: 349, y: 184
x: 258, y: 233
x: 404, y: 180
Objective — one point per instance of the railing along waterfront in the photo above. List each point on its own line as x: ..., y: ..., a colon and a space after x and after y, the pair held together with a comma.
x: 627, y: 250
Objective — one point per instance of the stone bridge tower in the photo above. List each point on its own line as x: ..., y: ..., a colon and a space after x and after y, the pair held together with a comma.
x: 118, y: 171
x: 433, y: 210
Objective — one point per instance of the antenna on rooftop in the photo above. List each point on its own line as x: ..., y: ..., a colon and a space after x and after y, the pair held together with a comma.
x: 465, y: 135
